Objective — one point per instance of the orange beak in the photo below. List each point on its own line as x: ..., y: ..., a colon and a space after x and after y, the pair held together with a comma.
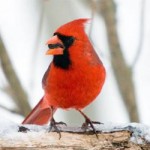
x: 55, y: 45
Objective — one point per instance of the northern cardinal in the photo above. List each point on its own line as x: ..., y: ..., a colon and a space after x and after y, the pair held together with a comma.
x: 73, y: 79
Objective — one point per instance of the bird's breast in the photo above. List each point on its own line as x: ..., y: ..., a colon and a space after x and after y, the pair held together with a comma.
x: 75, y: 87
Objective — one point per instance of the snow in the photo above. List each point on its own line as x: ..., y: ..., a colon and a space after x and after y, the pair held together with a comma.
x: 9, y: 131
x: 140, y: 132
x: 7, y: 127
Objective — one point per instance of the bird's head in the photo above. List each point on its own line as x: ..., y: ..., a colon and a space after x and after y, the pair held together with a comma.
x: 64, y: 38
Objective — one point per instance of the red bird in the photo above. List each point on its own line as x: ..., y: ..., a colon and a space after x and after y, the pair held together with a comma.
x: 73, y: 79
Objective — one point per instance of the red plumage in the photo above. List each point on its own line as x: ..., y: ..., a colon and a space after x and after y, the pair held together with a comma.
x: 75, y: 76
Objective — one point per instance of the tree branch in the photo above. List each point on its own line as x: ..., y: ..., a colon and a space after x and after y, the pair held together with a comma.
x: 131, y: 136
x: 20, y: 96
x: 10, y: 110
x: 74, y: 139
x: 122, y: 72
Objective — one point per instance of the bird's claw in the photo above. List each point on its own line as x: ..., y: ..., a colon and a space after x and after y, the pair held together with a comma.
x: 90, y: 123
x: 60, y: 123
x: 54, y: 125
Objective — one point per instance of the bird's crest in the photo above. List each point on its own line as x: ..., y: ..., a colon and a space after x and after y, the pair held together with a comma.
x: 75, y: 28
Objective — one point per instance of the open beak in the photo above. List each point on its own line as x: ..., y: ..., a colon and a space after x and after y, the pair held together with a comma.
x: 55, y: 45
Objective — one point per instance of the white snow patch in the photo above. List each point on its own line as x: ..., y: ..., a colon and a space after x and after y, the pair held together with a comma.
x: 9, y: 130
x: 140, y: 132
x: 7, y: 127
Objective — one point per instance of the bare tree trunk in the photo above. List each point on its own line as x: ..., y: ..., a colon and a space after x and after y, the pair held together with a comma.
x: 121, y: 69
x: 18, y: 93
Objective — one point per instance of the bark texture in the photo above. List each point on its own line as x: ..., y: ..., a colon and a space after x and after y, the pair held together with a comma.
x: 119, y: 140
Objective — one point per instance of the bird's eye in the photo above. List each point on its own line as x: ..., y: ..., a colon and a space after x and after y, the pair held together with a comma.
x: 70, y: 40
x: 67, y: 40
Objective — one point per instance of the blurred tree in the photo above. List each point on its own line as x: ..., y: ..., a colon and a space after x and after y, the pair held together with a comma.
x: 122, y: 71
x: 15, y: 89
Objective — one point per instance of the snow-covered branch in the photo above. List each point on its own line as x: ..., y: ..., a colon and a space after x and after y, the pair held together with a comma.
x: 110, y: 136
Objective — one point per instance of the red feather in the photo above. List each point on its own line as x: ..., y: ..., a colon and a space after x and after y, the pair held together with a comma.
x: 74, y: 78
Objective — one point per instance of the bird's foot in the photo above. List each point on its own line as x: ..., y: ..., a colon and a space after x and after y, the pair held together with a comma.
x: 90, y: 123
x: 54, y: 124
x: 60, y: 123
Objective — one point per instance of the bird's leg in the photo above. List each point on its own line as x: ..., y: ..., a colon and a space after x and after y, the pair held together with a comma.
x: 54, y: 124
x: 89, y: 122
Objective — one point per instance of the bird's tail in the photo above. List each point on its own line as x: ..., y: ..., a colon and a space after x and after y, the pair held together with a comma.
x: 40, y: 114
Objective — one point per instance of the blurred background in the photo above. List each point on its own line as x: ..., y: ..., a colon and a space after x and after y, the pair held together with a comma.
x: 119, y: 31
